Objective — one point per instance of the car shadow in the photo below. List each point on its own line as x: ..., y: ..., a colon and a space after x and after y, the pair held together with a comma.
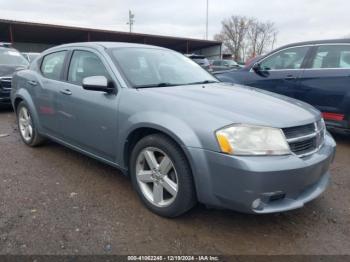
x: 343, y: 138
x: 6, y: 109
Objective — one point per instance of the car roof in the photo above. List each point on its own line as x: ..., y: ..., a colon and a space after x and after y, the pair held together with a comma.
x: 8, y: 48
x: 318, y: 42
x: 107, y: 45
x: 5, y: 44
x: 315, y: 42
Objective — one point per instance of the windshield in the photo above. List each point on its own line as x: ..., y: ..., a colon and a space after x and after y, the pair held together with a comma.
x: 12, y: 57
x: 231, y: 63
x: 201, y: 61
x: 151, y: 67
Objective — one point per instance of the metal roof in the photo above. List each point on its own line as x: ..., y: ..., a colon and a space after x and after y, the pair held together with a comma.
x: 29, y: 32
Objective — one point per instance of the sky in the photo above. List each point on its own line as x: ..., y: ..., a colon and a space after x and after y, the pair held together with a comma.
x: 295, y: 20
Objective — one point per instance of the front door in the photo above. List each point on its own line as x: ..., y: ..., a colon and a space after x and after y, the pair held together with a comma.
x: 88, y: 118
x: 280, y: 72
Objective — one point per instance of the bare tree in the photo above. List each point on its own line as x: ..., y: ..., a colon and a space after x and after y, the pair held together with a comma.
x: 233, y: 34
x: 266, y: 37
x: 247, y: 37
x: 253, y: 35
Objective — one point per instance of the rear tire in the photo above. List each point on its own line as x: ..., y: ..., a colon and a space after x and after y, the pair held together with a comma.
x: 161, y: 176
x: 26, y: 126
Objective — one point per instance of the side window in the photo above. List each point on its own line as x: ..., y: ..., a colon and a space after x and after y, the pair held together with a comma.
x: 291, y: 58
x: 216, y: 63
x: 332, y: 56
x: 52, y: 65
x: 84, y: 64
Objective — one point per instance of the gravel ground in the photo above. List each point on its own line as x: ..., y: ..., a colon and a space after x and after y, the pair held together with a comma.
x: 56, y: 201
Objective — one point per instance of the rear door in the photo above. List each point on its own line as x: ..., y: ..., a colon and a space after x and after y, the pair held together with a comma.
x: 281, y: 71
x: 326, y: 82
x: 46, y: 89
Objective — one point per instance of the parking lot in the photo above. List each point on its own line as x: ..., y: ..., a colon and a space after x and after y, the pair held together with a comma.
x: 56, y: 201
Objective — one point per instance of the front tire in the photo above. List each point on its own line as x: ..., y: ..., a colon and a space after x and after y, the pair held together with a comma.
x: 162, y: 176
x: 26, y: 126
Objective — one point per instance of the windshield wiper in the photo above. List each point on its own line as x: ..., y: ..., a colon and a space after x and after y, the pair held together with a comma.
x: 203, y: 82
x: 164, y: 84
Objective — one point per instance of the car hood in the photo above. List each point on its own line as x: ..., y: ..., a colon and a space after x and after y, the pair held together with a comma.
x: 8, y: 70
x: 236, y: 104
x: 236, y: 76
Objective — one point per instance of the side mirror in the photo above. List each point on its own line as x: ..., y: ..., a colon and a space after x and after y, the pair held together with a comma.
x: 97, y: 83
x: 264, y: 72
x: 257, y: 68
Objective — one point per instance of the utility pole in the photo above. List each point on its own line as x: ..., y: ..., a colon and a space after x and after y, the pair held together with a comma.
x: 131, y: 20
x: 207, y: 21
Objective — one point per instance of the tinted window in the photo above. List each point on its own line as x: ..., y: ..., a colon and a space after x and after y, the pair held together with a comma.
x: 217, y: 63
x: 10, y: 56
x: 152, y: 66
x: 333, y: 56
x: 84, y: 64
x: 201, y: 61
x: 52, y: 65
x: 291, y: 58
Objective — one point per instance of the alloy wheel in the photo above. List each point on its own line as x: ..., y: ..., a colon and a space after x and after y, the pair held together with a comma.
x: 157, y: 177
x: 25, y: 124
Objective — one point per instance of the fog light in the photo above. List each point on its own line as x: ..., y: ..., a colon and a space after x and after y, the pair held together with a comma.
x: 256, y: 204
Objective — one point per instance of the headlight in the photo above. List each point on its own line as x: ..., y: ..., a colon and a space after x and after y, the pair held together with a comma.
x: 252, y: 140
x: 321, y: 125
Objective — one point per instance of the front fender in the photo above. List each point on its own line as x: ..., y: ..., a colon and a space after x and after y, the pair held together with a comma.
x: 174, y: 127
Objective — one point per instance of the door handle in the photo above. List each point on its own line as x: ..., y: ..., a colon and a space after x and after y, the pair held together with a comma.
x: 33, y: 83
x: 290, y: 77
x: 66, y: 92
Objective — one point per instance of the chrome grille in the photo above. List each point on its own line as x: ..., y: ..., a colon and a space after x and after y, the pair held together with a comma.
x: 5, y: 83
x: 298, y: 131
x: 305, y: 140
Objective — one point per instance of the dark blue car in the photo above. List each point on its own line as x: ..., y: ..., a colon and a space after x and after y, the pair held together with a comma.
x: 316, y: 72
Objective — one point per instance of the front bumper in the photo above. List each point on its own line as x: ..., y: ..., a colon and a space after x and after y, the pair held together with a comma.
x: 5, y: 101
x: 5, y: 95
x: 261, y: 185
